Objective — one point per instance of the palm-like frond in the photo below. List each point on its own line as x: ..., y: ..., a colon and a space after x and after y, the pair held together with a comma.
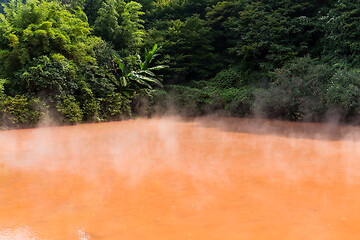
x: 159, y: 67
x: 148, y: 72
x: 136, y: 75
x: 144, y: 76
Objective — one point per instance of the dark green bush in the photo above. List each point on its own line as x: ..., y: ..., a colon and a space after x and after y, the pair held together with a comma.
x: 227, y: 78
x: 2, y: 82
x: 343, y: 93
x: 238, y: 101
x: 99, y: 79
x: 192, y: 101
x: 69, y: 108
x: 142, y: 102
x: 115, y: 107
x: 19, y: 110
x: 160, y: 102
x: 47, y: 77
x: 90, y: 106
x: 149, y: 102
x: 188, y: 101
x: 297, y: 91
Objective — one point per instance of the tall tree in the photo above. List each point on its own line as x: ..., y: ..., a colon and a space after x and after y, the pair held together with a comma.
x: 341, y: 42
x: 266, y: 34
x: 42, y: 47
x: 187, y: 48
x: 119, y: 22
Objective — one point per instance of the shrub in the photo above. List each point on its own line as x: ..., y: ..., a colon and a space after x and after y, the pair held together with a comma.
x: 296, y: 92
x: 51, y: 78
x: 148, y: 102
x: 88, y: 103
x: 226, y: 79
x: 188, y: 101
x: 2, y: 82
x: 343, y: 93
x: 143, y: 102
x: 192, y: 101
x: 239, y: 101
x: 18, y: 110
x: 69, y: 108
x: 160, y: 102
x: 90, y: 108
x: 115, y: 107
x: 99, y: 79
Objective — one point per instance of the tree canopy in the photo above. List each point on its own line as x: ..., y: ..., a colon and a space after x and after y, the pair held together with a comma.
x: 74, y: 57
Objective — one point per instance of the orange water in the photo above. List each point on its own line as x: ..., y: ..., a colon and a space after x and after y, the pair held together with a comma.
x: 176, y: 179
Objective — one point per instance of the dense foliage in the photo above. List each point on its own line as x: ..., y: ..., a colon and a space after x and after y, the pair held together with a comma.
x: 87, y: 60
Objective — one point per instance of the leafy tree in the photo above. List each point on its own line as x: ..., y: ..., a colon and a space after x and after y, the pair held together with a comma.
x: 262, y: 34
x: 73, y: 4
x: 186, y: 47
x: 46, y: 50
x: 35, y: 29
x: 51, y: 77
x: 341, y: 42
x: 91, y: 8
x: 217, y: 17
x: 119, y: 22
x: 106, y: 25
x: 170, y: 10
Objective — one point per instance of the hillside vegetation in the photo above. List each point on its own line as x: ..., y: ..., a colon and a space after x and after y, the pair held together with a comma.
x: 99, y: 60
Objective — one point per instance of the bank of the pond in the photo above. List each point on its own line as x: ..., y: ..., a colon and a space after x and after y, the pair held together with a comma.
x: 303, y: 90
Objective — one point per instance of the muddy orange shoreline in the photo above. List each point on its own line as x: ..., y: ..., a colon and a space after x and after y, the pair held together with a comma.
x: 205, y: 178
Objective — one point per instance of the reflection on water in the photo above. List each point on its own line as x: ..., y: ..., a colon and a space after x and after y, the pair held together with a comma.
x: 176, y: 179
x: 17, y: 233
x: 82, y: 235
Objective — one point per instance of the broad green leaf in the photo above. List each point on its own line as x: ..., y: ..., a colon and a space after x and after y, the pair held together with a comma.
x: 158, y: 67
x: 149, y: 79
x: 147, y: 72
x: 123, y: 81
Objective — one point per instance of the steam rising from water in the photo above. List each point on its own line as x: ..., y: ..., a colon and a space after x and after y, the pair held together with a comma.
x: 203, y: 148
x: 175, y: 174
x: 132, y: 148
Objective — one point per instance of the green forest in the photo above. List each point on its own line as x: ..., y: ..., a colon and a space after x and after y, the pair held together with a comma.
x: 77, y: 61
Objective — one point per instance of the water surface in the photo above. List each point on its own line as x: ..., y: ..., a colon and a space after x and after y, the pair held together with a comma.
x: 181, y: 179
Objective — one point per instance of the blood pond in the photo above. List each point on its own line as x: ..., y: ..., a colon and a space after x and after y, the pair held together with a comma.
x: 207, y: 178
